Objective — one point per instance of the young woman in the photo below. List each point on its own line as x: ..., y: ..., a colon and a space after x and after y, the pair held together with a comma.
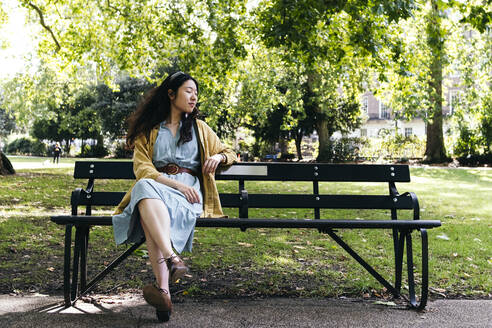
x: 175, y: 158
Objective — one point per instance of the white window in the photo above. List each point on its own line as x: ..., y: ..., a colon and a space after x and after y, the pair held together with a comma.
x: 365, y: 104
x: 363, y: 132
x: 408, y: 132
x: 454, y: 99
x: 384, y: 111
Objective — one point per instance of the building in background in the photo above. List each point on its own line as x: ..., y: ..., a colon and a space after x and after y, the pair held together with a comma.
x: 380, y: 117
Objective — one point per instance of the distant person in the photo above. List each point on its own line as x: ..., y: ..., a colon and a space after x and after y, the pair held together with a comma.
x: 56, y: 153
x: 174, y: 160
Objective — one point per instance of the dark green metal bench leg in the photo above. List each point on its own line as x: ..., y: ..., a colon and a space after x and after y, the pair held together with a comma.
x: 83, y: 256
x: 399, y: 259
x: 66, y: 265
x: 110, y: 267
x: 362, y: 262
x: 425, y: 272
x: 76, y: 260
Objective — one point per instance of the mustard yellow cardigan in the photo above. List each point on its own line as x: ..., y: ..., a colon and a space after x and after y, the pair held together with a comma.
x: 210, y: 145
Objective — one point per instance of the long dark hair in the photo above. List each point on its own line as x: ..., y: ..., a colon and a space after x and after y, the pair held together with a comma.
x: 156, y: 107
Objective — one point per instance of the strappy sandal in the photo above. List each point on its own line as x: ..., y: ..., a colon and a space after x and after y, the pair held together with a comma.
x: 160, y: 299
x: 176, y: 266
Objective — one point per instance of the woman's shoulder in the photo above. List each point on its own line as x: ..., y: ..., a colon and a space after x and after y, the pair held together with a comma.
x: 202, y: 124
x: 142, y: 137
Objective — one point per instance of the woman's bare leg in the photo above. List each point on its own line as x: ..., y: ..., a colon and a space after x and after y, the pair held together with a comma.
x: 155, y: 217
x: 159, y: 267
x: 156, y: 224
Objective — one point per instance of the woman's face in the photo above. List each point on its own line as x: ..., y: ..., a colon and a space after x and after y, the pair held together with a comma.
x: 186, y: 97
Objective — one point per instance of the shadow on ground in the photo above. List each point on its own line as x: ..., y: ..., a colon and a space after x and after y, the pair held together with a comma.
x: 129, y: 310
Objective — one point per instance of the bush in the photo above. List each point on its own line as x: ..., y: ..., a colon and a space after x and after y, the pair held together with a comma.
x: 342, y: 150
x: 468, y: 143
x: 26, y: 146
x: 122, y: 151
x: 96, y: 151
x: 392, y: 147
x: 287, y: 157
x: 475, y: 160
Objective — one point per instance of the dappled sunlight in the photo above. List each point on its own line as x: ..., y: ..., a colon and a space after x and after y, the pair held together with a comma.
x: 420, y: 179
x: 26, y: 211
x: 459, y: 199
x: 30, y: 211
x: 423, y: 182
x: 280, y: 239
x: 280, y: 260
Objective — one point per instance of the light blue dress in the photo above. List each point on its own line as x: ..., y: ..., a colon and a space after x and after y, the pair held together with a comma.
x: 127, y: 227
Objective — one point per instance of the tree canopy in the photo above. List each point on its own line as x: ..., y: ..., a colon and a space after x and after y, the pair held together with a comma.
x: 282, y: 67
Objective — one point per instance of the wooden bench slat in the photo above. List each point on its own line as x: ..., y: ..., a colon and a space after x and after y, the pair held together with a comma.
x: 99, y: 198
x: 276, y: 201
x: 317, y: 172
x: 320, y: 201
x: 269, y: 223
x: 264, y: 171
x: 103, y: 170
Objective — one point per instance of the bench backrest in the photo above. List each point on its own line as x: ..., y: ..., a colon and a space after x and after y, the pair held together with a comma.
x: 314, y: 172
x: 264, y: 171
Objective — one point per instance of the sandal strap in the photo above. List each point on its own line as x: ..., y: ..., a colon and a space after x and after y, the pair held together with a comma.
x: 169, y: 259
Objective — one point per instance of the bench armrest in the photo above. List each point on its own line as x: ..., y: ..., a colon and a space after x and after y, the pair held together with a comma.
x: 415, y: 202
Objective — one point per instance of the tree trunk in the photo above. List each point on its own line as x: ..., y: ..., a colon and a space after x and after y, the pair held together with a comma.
x: 324, y: 152
x: 435, y: 151
x: 67, y: 147
x: 5, y: 165
x: 282, y: 144
x: 298, y: 145
x: 321, y: 123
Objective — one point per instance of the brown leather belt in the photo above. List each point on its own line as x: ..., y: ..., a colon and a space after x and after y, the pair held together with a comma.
x: 173, y: 169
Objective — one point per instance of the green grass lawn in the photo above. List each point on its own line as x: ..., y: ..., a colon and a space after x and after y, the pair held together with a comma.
x: 258, y: 262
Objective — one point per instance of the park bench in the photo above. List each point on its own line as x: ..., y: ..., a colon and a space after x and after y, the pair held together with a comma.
x: 75, y: 271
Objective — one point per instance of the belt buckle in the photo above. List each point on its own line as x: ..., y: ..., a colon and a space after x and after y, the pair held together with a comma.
x: 172, y: 168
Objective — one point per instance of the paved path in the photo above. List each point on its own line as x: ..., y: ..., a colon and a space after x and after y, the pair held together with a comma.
x: 130, y: 310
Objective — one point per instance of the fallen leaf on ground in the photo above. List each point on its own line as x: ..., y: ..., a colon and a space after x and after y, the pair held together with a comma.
x: 443, y: 237
x: 389, y: 303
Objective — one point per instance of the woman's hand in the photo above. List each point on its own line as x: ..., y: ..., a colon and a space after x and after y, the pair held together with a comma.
x: 211, y: 163
x: 190, y: 193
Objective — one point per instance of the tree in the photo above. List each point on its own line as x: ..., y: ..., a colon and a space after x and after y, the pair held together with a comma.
x: 7, y: 125
x: 204, y: 38
x: 435, y: 151
x: 329, y: 42
x: 269, y: 99
x: 114, y: 106
x: 45, y: 129
x: 471, y: 58
x: 433, y: 46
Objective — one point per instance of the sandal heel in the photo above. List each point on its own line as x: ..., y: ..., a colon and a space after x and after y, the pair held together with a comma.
x: 163, y: 316
x: 177, y: 268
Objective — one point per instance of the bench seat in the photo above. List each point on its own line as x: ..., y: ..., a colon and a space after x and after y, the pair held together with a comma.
x: 271, y: 223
